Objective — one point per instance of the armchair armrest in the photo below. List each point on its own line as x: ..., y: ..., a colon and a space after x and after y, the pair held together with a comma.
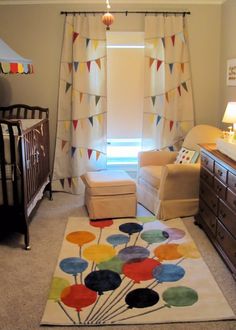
x: 179, y: 181
x: 146, y: 158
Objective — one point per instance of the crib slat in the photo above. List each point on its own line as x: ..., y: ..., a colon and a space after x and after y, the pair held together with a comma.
x: 3, y: 168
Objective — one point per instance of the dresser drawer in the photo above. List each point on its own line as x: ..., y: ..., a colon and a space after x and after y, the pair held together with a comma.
x: 228, y: 218
x: 207, y: 176
x: 220, y: 172
x: 227, y: 242
x: 220, y: 188
x: 232, y: 181
x: 207, y: 162
x: 208, y: 196
x: 231, y: 199
x: 208, y: 217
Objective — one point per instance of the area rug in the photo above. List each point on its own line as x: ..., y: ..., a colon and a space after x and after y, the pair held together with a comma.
x: 131, y: 271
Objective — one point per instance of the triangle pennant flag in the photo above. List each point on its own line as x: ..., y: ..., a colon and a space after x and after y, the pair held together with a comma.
x: 89, y: 153
x: 75, y: 35
x: 97, y: 98
x: 153, y: 100
x: 167, y: 97
x: 76, y: 66
x: 171, y: 124
x: 72, y: 151
x: 171, y: 67
x: 80, y: 96
x: 185, y: 86
x: 69, y: 181
x: 98, y: 62
x: 159, y: 62
x: 63, y: 143
x: 158, y: 119
x: 62, y: 181
x: 81, y: 152
x: 181, y: 36
x: 87, y: 42
x: 91, y: 120
x: 67, y: 125
x: 74, y: 181
x: 163, y: 41
x: 179, y: 90
x: 151, y: 60
x: 182, y: 67
x: 95, y: 43
x: 100, y: 118
x: 81, y: 67
x: 173, y: 39
x: 152, y: 118
x: 68, y: 85
x: 75, y: 122
x: 70, y: 67
x: 88, y: 65
x: 97, y: 154
x: 155, y: 43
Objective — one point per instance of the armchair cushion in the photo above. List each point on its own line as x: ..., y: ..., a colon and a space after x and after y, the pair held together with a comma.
x: 186, y: 156
x: 151, y: 174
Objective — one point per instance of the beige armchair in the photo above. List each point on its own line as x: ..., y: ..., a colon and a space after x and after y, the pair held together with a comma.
x: 171, y: 190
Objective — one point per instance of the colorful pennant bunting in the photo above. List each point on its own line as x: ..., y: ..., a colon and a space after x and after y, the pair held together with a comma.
x: 73, y: 149
x: 74, y: 36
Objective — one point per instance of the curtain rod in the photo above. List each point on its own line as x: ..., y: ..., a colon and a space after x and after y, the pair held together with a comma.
x: 127, y: 12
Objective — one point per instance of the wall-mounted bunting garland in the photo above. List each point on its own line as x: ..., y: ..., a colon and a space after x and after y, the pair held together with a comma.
x: 81, y: 128
x: 168, y: 82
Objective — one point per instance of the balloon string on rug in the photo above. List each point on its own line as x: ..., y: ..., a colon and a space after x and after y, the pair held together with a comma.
x: 103, y: 310
x: 65, y: 311
x: 141, y: 314
x: 115, y: 301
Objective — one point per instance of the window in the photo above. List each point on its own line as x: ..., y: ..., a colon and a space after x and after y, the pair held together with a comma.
x: 125, y: 74
x: 122, y: 153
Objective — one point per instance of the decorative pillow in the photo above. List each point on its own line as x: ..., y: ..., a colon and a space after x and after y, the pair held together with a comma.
x: 186, y: 156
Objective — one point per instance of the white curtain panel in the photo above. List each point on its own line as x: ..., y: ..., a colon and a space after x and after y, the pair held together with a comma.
x: 168, y: 103
x: 82, y: 106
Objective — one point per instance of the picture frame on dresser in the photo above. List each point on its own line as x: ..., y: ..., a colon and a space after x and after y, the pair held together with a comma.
x: 217, y: 202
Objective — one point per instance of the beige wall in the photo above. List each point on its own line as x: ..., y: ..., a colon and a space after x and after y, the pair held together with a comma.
x: 35, y: 31
x: 228, y: 51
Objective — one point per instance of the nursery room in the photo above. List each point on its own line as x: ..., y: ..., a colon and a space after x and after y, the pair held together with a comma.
x: 117, y: 164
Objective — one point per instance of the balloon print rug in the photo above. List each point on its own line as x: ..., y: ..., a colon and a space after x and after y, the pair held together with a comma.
x: 131, y: 271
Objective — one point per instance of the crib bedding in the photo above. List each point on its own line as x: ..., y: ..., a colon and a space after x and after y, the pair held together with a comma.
x: 26, y: 124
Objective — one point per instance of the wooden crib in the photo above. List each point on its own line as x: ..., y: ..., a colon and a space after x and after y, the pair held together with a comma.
x: 24, y: 165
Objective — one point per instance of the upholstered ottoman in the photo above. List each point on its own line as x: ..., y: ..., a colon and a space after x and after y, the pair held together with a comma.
x: 110, y: 194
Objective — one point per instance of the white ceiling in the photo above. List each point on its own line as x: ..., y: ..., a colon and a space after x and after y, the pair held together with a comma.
x: 161, y: 2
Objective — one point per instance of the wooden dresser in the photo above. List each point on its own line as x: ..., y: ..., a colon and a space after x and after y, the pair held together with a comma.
x: 217, y: 206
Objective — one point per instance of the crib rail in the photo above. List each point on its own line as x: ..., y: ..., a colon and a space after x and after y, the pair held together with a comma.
x: 23, y: 111
x: 36, y: 149
x: 9, y: 172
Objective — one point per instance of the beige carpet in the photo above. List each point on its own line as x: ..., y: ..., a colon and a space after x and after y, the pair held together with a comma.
x: 26, y: 275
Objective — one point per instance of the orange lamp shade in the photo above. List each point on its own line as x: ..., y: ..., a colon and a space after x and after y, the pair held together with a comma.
x: 108, y: 19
